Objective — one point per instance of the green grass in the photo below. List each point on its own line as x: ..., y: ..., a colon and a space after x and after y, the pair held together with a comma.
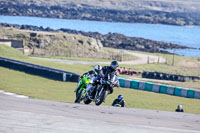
x: 177, y: 58
x: 186, y: 71
x: 113, y: 55
x: 35, y: 86
x: 9, y: 52
x: 154, y: 101
x: 75, y: 58
x: 168, y: 68
x: 12, y: 53
x: 169, y: 57
x: 42, y: 88
x: 77, y: 68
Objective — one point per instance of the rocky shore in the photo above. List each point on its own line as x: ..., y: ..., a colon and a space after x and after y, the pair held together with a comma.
x: 113, y: 40
x: 165, y: 13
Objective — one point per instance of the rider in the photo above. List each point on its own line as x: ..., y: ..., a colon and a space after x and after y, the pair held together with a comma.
x: 112, y: 69
x: 179, y: 108
x: 119, y: 100
x: 105, y: 71
x: 95, y: 72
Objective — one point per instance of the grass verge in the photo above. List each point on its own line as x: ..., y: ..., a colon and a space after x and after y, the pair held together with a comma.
x: 75, y: 58
x: 187, y: 66
x: 42, y: 88
x: 12, y: 53
x: 9, y: 52
x: 114, y: 54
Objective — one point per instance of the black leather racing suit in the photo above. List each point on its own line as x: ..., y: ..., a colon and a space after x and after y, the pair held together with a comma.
x: 107, y: 70
x: 179, y: 110
x: 92, y: 72
x: 117, y: 101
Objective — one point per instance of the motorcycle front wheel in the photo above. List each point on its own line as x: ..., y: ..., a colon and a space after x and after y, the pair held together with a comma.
x: 101, y: 98
x: 79, y: 96
x: 87, y: 101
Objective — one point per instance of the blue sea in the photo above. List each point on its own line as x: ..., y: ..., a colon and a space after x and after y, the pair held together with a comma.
x: 183, y: 35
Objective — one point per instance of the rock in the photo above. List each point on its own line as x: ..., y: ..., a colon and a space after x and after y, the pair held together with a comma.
x: 33, y: 34
x: 97, y: 13
x: 95, y: 44
x: 48, y: 29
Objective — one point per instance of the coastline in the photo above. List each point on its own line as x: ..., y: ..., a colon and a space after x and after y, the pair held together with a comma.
x: 113, y: 40
x: 181, y: 15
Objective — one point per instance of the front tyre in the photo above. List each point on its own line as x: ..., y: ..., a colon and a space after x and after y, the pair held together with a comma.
x: 87, y: 101
x: 101, y: 98
x: 79, y: 96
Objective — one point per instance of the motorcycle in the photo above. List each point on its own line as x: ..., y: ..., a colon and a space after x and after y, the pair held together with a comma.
x: 117, y: 105
x: 102, y: 90
x: 81, y: 88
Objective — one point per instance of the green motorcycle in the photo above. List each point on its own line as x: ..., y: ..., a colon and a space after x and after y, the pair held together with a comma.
x: 81, y: 89
x: 117, y: 105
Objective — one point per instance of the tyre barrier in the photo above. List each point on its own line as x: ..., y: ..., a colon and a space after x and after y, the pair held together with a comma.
x: 156, y: 88
x: 165, y: 76
x: 39, y: 70
x: 141, y: 85
x: 159, y: 88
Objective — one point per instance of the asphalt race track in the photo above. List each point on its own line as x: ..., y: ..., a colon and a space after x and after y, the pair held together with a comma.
x: 22, y: 115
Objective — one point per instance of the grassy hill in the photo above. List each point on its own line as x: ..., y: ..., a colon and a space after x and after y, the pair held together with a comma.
x: 40, y: 43
x: 9, y: 52
x: 52, y: 43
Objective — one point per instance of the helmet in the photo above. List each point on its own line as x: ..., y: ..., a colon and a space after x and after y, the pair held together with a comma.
x: 180, y: 107
x: 97, y: 68
x: 114, y: 65
x: 120, y: 97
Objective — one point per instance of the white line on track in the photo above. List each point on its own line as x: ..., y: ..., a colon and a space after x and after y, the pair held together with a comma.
x: 13, y: 94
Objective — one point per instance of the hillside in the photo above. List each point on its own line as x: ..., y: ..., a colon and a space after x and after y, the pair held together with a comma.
x: 53, y: 44
x: 113, y: 40
x: 176, y: 12
x: 58, y: 43
x: 9, y: 52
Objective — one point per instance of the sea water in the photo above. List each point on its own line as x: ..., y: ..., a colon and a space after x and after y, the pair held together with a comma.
x: 182, y: 35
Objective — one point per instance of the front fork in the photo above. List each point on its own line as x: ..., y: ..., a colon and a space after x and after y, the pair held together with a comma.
x: 98, y: 94
x: 78, y: 86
